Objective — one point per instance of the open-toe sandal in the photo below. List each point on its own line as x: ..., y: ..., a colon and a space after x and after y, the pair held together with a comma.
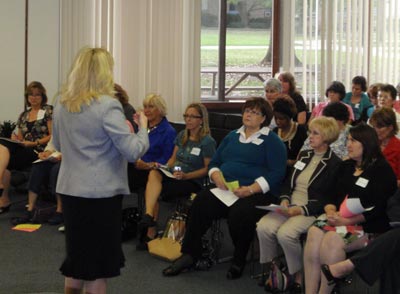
x: 328, y: 275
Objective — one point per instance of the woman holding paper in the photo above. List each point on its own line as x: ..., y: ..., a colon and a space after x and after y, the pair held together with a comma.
x: 303, y: 197
x: 255, y: 158
x: 33, y: 133
x: 192, y: 153
x: 363, y: 184
x: 44, y: 170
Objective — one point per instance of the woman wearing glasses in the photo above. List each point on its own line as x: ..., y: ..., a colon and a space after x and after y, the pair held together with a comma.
x: 192, y: 153
x: 255, y: 158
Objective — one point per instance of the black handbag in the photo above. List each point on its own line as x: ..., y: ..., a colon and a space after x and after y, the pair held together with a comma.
x: 130, y: 220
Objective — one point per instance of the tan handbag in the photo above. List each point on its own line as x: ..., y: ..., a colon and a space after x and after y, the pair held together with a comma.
x: 169, y: 245
x: 165, y: 248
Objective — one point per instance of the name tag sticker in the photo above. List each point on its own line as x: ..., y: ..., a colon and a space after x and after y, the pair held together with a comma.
x: 40, y: 114
x: 195, y: 151
x: 257, y: 141
x: 362, y: 182
x: 299, y: 165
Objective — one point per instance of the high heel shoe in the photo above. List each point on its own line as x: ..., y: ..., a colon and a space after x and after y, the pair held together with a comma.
x: 5, y: 209
x: 183, y: 263
x: 328, y: 275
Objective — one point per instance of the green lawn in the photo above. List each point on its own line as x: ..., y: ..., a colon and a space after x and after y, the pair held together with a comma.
x: 236, y: 37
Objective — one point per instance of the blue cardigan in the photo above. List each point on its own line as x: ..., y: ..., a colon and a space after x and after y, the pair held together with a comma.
x: 264, y: 157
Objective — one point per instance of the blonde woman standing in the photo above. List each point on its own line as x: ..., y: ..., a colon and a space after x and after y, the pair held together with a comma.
x: 91, y: 132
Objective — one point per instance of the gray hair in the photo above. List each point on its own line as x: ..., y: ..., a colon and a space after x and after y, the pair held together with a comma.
x: 273, y: 83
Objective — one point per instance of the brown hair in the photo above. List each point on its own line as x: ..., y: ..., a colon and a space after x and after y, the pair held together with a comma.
x: 40, y: 87
x: 385, y: 117
x: 262, y: 105
x: 121, y: 94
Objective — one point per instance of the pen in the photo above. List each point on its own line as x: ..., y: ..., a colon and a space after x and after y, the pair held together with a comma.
x: 35, y: 151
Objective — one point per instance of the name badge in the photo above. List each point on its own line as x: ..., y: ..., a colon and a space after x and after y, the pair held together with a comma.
x: 362, y: 182
x: 299, y: 165
x: 257, y: 141
x: 195, y: 151
x: 40, y: 114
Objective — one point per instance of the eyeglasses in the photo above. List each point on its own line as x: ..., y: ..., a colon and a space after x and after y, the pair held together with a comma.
x: 253, y: 112
x: 186, y: 116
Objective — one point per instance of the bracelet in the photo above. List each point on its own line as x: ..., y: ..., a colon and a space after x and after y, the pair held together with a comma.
x: 37, y: 142
x: 251, y: 191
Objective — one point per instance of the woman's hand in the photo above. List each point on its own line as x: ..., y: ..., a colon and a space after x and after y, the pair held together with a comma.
x: 140, y: 119
x: 243, y: 191
x: 179, y: 175
x: 218, y: 180
x: 291, y: 210
x: 45, y: 154
x: 335, y: 219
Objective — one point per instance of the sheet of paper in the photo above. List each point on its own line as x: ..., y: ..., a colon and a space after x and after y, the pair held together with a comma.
x: 167, y: 173
x: 272, y: 207
x: 27, y: 227
x: 53, y: 157
x: 394, y: 224
x: 230, y: 185
x: 227, y: 197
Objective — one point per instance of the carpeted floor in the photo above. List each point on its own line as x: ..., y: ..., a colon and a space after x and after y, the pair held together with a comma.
x: 29, y: 263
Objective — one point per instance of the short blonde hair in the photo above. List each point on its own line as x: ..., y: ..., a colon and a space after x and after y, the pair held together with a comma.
x: 328, y: 128
x: 91, y: 75
x: 157, y: 101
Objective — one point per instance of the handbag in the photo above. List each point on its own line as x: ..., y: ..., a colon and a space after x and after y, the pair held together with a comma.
x: 279, y: 279
x: 130, y: 220
x: 168, y: 247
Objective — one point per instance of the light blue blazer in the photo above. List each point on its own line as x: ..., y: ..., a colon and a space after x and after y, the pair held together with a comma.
x: 95, y: 144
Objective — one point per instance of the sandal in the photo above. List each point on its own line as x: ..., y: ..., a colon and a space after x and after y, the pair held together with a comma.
x: 328, y: 275
x: 183, y: 263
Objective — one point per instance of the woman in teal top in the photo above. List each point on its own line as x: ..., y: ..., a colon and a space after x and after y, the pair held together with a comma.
x: 357, y: 98
x: 194, y: 148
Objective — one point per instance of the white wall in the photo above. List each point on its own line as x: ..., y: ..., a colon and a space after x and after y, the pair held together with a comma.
x: 12, y: 23
x: 43, y: 51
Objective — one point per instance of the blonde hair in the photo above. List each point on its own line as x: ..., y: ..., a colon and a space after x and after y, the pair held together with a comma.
x: 205, y: 128
x: 157, y: 101
x: 90, y: 76
x: 328, y: 128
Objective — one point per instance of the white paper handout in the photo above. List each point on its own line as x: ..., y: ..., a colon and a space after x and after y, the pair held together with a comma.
x: 166, y: 172
x: 352, y: 206
x: 272, y: 207
x: 226, y: 196
x: 54, y: 157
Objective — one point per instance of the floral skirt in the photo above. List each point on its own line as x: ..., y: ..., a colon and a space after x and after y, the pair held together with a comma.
x: 349, y: 234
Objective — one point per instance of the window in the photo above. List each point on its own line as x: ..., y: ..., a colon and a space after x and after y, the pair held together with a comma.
x: 246, y: 56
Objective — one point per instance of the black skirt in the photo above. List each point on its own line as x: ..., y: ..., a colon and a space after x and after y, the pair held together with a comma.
x: 93, y: 237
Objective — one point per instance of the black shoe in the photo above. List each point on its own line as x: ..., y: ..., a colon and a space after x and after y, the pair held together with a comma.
x: 234, y: 272
x: 56, y: 219
x: 183, y: 263
x: 24, y: 219
x: 296, y: 288
x: 5, y: 209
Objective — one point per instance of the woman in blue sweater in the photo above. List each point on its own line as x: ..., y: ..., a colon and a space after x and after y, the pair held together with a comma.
x: 253, y: 156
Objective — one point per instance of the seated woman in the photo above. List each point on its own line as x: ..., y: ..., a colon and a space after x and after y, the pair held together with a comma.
x: 253, y: 156
x: 128, y: 109
x: 192, y: 153
x: 386, y: 98
x: 363, y: 185
x: 272, y: 88
x: 379, y: 260
x: 34, y: 130
x: 357, y: 98
x: 161, y: 137
x: 291, y: 133
x: 289, y: 88
x: 42, y: 172
x: 304, y: 194
x: 339, y: 112
x: 384, y: 122
x: 335, y: 93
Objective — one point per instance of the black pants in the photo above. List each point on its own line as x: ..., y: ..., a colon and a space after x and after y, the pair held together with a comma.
x: 242, y: 217
x: 380, y: 259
